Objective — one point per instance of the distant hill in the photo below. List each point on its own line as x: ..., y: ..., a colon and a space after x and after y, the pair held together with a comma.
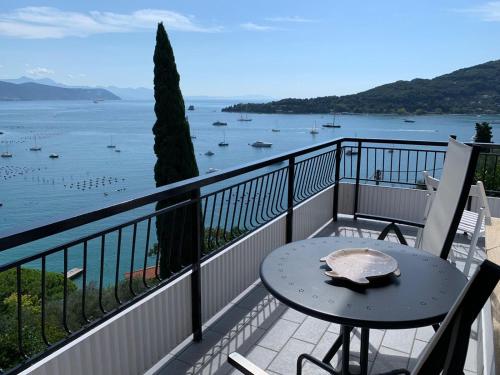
x: 37, y: 91
x: 471, y: 90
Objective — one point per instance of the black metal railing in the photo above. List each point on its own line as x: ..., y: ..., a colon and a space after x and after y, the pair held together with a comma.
x: 43, y: 308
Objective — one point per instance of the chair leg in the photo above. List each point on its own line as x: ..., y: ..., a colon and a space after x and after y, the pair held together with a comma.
x: 327, y: 367
x: 472, y: 251
x: 396, y: 230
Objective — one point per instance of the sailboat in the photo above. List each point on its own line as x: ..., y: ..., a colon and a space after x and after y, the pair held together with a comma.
x: 6, y: 154
x: 244, y: 118
x: 224, y: 143
x: 314, y: 130
x: 331, y: 124
x: 35, y: 147
x: 111, y: 145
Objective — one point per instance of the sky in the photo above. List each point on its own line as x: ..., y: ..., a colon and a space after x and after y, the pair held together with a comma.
x: 275, y: 48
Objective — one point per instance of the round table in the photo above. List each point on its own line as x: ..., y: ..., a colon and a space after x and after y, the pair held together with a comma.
x: 421, y: 296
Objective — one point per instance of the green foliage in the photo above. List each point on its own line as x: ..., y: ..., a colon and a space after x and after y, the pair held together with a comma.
x: 31, y: 310
x: 488, y: 171
x: 175, y: 157
x: 31, y: 284
x: 470, y: 90
x: 483, y: 132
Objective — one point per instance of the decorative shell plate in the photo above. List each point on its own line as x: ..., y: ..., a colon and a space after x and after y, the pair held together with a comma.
x: 360, y: 264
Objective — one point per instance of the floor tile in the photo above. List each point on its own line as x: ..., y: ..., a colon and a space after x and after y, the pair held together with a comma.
x: 311, y: 330
x: 277, y: 336
x: 286, y: 360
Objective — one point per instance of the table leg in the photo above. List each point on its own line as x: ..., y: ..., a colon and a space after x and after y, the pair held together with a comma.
x: 365, y: 339
x: 346, y: 338
x: 336, y: 346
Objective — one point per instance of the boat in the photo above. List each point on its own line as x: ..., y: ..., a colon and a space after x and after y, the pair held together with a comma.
x: 111, y: 145
x: 209, y: 153
x: 191, y: 108
x: 390, y: 151
x: 351, y: 152
x: 118, y: 150
x: 331, y: 124
x: 219, y: 123
x: 314, y: 130
x: 244, y: 118
x: 53, y: 156
x: 36, y: 147
x: 74, y: 272
x: 212, y: 170
x: 6, y: 154
x: 261, y: 144
x: 193, y: 137
x: 223, y: 143
x: 276, y: 130
x: 410, y: 121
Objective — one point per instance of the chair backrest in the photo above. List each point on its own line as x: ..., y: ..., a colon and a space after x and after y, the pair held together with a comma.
x: 476, y: 191
x: 450, y: 199
x: 448, y: 348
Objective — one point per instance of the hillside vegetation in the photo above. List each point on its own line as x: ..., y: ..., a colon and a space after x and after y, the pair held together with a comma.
x: 470, y: 90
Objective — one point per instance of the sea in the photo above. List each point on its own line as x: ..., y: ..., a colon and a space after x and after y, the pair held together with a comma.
x: 35, y: 188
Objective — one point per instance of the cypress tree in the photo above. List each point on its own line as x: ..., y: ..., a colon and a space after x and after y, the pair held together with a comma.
x: 175, y: 158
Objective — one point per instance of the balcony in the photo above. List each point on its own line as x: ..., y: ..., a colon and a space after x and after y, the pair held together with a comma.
x: 130, y: 311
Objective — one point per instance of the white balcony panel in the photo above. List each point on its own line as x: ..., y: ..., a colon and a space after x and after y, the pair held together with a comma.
x: 233, y: 270
x: 400, y: 203
x: 312, y: 214
x: 130, y: 342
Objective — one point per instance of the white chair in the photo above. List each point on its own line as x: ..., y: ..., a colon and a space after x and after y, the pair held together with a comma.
x: 443, y: 216
x: 471, y: 223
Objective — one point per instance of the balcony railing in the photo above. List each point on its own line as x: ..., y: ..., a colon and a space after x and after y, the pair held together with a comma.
x: 121, y: 264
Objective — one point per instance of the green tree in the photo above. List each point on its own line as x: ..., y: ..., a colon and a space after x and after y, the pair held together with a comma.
x: 483, y: 132
x: 175, y: 158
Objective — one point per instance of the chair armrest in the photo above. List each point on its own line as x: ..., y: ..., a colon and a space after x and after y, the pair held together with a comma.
x: 244, y: 365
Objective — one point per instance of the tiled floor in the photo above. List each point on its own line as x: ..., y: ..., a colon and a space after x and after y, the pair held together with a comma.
x: 273, y: 335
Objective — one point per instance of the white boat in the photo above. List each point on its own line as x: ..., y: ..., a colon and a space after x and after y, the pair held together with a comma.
x: 6, y: 154
x: 261, y: 144
x: 74, y: 272
x: 111, y: 145
x: 209, y: 153
x: 53, y: 156
x: 35, y: 147
x: 314, y: 130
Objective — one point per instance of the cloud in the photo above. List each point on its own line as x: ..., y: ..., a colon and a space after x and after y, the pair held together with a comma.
x: 255, y: 27
x: 295, y: 19
x: 39, y: 72
x: 73, y: 76
x: 489, y: 11
x: 47, y: 22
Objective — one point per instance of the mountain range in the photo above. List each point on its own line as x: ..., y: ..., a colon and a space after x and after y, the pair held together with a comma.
x: 127, y: 93
x: 472, y: 90
x: 37, y: 91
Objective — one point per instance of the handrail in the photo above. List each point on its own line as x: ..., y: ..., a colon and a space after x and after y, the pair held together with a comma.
x: 18, y: 236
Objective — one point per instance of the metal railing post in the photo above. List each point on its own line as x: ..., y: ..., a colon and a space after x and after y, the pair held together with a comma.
x: 195, y: 275
x: 356, y: 191
x: 338, y: 156
x: 289, y: 212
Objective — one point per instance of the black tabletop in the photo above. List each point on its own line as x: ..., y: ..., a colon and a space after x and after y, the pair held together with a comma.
x: 422, y: 295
